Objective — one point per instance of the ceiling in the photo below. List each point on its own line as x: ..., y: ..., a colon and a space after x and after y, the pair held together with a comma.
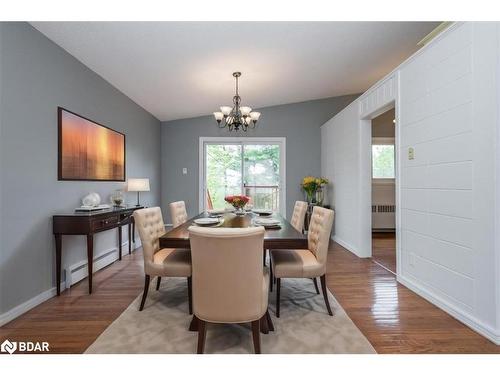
x: 184, y: 69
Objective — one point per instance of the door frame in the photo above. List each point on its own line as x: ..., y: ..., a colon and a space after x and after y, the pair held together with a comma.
x: 366, y: 175
x: 203, y: 141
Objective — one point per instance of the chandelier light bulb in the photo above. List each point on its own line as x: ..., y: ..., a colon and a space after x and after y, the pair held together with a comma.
x: 218, y: 116
x: 245, y: 111
x: 255, y: 116
x: 226, y: 110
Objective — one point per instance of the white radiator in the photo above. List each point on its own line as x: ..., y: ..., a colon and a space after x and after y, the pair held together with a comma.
x: 78, y: 271
x: 383, y: 217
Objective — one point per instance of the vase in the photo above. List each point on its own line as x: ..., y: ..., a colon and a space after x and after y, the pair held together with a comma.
x: 319, y: 196
x: 311, y: 197
x: 240, y: 211
x: 117, y: 198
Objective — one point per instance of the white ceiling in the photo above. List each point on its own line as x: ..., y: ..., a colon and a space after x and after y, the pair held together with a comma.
x: 183, y: 69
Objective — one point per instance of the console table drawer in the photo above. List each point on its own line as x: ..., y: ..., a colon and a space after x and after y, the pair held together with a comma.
x: 108, y: 222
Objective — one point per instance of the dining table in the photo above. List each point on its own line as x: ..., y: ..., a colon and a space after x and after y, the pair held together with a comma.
x: 281, y: 236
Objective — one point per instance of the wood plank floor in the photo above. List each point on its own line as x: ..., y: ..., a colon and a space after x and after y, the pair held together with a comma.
x: 384, y: 250
x: 394, y: 319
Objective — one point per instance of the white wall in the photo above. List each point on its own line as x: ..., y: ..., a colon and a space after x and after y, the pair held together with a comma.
x: 447, y: 105
x: 340, y: 165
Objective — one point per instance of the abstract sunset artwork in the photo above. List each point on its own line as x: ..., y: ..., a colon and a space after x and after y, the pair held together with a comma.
x: 88, y: 150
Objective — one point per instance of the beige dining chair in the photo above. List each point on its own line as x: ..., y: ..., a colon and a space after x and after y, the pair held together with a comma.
x: 230, y: 285
x: 297, y: 221
x: 298, y: 216
x: 160, y: 262
x: 178, y: 213
x: 306, y: 263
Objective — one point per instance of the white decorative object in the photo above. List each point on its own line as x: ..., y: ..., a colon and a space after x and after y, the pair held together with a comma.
x: 91, y: 200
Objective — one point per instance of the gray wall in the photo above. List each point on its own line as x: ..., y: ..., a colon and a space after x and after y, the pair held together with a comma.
x: 37, y: 76
x: 299, y: 123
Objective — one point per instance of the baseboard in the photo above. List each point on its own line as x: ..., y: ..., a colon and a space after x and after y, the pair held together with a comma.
x: 28, y: 305
x: 483, y: 329
x: 346, y: 245
x: 44, y: 296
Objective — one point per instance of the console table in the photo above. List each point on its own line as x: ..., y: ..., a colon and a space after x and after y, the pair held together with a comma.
x: 87, y: 224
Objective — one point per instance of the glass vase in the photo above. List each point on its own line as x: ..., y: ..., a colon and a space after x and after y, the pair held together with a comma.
x: 320, y: 196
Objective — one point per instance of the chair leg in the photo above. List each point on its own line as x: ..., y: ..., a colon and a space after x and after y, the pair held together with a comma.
x: 264, y: 258
x: 325, y: 294
x: 278, y: 287
x: 264, y: 327
x: 158, y: 281
x: 147, y: 279
x: 202, y: 331
x: 315, y: 284
x: 190, y: 295
x: 269, y: 321
x: 256, y: 335
x: 270, y: 276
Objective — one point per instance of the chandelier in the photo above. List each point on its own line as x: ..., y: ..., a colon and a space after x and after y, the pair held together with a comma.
x: 236, y: 117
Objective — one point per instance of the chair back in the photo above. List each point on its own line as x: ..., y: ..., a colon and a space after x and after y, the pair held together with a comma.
x: 178, y: 213
x: 318, y: 236
x: 228, y: 276
x: 149, y: 224
x: 298, y: 216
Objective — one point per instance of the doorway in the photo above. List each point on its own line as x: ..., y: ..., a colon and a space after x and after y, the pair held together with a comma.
x: 254, y: 167
x: 384, y: 189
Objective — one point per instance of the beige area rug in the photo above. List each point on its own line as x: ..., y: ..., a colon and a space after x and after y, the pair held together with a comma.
x: 162, y: 327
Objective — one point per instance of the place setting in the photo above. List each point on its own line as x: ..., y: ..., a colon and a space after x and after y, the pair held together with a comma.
x: 209, y: 221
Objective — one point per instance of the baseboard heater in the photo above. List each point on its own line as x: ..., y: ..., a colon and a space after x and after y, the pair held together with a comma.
x: 78, y: 271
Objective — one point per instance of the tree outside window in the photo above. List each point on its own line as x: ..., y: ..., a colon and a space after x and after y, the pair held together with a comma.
x: 383, y: 161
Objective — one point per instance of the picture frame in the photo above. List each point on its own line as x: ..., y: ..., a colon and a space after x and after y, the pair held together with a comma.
x: 88, y: 150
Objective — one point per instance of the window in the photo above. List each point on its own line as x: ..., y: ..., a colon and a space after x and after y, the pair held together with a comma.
x: 250, y: 166
x: 383, y: 161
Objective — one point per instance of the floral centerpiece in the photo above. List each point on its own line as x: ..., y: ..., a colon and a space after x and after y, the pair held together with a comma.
x: 238, y: 202
x: 313, y: 186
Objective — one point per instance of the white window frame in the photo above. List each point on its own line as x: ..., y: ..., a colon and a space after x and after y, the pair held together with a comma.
x: 281, y: 141
x: 384, y: 141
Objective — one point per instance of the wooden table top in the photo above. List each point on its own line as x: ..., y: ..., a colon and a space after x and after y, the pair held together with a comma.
x: 286, y: 237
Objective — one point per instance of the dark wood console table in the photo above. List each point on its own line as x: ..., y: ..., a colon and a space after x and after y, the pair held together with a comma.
x: 87, y: 224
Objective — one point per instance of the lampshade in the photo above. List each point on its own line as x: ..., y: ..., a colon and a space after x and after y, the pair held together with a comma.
x: 226, y: 110
x: 218, y: 116
x: 245, y: 111
x: 138, y: 184
x: 254, y: 116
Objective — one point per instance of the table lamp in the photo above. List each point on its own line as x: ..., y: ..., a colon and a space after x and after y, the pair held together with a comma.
x: 138, y: 185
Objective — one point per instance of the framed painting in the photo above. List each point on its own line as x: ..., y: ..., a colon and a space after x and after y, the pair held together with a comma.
x: 88, y: 151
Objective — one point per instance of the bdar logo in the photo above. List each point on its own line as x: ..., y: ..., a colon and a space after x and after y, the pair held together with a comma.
x: 9, y: 347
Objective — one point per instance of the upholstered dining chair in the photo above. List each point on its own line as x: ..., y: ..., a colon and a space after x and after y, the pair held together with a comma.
x: 230, y: 285
x: 297, y: 221
x: 306, y: 263
x: 178, y: 213
x: 160, y: 262
x: 298, y: 216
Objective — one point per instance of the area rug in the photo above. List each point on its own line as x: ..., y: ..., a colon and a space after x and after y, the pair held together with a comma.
x: 162, y: 327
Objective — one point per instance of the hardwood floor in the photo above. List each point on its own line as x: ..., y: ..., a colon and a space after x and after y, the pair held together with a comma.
x: 384, y: 250
x: 394, y: 319
x: 71, y: 323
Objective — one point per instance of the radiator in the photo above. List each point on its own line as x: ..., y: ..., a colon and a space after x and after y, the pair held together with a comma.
x: 383, y: 217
